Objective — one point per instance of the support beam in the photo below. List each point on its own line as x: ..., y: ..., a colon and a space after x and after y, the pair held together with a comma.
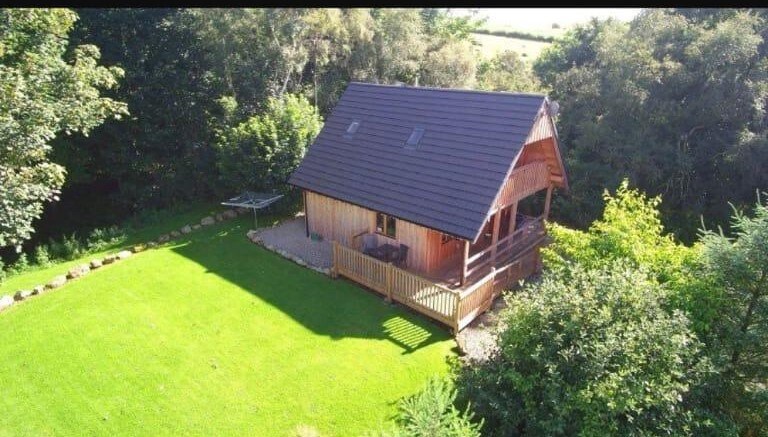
x: 548, y: 201
x: 306, y: 216
x: 495, y: 236
x: 512, y: 218
x: 464, y: 263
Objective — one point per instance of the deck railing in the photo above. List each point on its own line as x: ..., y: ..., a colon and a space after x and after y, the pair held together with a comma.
x: 481, y: 262
x: 454, y: 308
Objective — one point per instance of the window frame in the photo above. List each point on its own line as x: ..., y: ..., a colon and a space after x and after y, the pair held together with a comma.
x: 386, y: 221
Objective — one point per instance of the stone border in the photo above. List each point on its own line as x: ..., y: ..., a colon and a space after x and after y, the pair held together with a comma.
x: 253, y: 236
x: 84, y: 269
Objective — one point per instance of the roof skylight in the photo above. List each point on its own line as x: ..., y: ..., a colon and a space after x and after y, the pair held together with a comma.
x: 352, y: 128
x: 415, y: 137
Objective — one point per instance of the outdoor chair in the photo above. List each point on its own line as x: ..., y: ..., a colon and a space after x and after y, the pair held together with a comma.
x: 402, y: 256
x: 369, y: 244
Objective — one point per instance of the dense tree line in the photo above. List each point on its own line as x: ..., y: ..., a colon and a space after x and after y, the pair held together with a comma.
x: 673, y: 100
x: 192, y: 75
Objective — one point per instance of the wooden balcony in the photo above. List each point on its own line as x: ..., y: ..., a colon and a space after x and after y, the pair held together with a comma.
x: 442, y: 296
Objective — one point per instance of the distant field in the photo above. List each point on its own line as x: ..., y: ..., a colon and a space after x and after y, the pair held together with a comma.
x: 541, y: 31
x: 492, y: 44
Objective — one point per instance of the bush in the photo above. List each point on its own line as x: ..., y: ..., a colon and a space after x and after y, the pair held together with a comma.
x: 99, y: 239
x: 21, y: 265
x: 2, y: 271
x: 68, y: 248
x: 261, y: 152
x: 589, y: 352
x: 41, y: 256
x: 431, y: 412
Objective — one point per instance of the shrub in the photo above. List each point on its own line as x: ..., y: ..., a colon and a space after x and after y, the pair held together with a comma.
x: 589, y: 352
x: 100, y: 238
x: 68, y: 248
x: 41, y: 256
x: 261, y: 152
x: 431, y: 412
x: 2, y: 271
x: 21, y: 264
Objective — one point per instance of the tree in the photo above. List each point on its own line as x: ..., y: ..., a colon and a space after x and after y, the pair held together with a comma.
x: 159, y: 155
x: 261, y: 152
x: 47, y: 90
x: 506, y: 71
x: 431, y: 412
x: 451, y: 66
x: 738, y: 269
x: 672, y: 104
x: 589, y: 352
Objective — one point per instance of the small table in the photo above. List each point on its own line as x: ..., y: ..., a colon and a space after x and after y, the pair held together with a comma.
x: 386, y: 252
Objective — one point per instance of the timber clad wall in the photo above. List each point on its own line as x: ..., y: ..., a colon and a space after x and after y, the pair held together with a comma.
x: 337, y: 220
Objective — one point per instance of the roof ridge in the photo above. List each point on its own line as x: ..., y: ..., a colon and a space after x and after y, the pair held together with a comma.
x: 454, y: 90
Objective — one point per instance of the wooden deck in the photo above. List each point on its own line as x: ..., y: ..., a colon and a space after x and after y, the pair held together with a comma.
x: 442, y: 298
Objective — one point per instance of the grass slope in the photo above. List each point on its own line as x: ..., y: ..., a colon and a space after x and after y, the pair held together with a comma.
x: 211, y: 335
x: 148, y: 229
x: 490, y: 45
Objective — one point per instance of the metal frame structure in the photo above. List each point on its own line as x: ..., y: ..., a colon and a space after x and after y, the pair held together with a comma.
x: 254, y: 201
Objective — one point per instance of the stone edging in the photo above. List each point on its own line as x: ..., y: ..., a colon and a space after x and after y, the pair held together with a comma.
x: 83, y: 269
x: 253, y: 235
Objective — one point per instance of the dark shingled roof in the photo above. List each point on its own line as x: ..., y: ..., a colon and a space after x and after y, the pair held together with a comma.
x: 448, y: 182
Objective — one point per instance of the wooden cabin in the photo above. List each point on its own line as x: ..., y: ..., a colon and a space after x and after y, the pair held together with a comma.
x: 461, y: 179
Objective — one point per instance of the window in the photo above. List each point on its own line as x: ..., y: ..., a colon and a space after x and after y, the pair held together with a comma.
x: 415, y: 137
x: 386, y: 224
x: 352, y: 128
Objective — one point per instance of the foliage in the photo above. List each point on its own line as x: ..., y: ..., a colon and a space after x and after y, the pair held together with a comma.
x: 440, y: 23
x: 260, y: 153
x: 519, y: 34
x: 21, y: 264
x: 629, y: 229
x: 41, y: 256
x: 431, y: 412
x: 672, y: 104
x: 507, y: 72
x: 450, y: 66
x: 70, y: 247
x: 47, y: 91
x: 589, y: 352
x: 158, y: 156
x: 738, y: 268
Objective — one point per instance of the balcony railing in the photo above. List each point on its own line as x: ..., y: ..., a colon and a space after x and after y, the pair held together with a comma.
x: 531, y: 231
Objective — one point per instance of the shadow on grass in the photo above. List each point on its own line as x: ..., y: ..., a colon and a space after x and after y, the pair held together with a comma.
x: 335, y: 308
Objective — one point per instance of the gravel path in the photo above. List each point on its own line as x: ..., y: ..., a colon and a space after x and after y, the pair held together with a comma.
x: 291, y: 237
x: 477, y: 340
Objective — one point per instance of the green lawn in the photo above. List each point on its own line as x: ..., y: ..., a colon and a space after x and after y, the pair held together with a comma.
x: 211, y: 335
x: 490, y: 45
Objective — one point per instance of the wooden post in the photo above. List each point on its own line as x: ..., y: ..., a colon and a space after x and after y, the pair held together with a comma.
x: 389, y: 274
x: 548, y: 201
x: 306, y: 216
x: 464, y: 262
x: 495, y: 235
x: 512, y: 219
x: 334, y: 268
x: 456, y: 313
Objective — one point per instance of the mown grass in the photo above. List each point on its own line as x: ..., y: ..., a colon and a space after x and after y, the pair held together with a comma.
x: 490, y: 45
x: 210, y: 335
